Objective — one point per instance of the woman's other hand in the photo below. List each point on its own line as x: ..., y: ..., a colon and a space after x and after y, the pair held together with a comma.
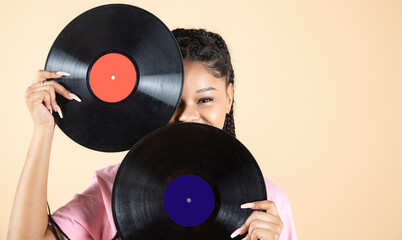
x: 40, y: 97
x: 265, y: 225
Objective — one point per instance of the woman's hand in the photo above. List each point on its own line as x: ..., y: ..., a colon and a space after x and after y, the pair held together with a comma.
x: 261, y: 225
x: 40, y: 97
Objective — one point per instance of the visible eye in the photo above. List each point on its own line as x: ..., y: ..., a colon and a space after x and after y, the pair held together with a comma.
x: 205, y: 100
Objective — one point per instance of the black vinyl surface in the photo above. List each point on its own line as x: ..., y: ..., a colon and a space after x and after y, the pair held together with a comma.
x: 149, y: 44
x: 173, y: 151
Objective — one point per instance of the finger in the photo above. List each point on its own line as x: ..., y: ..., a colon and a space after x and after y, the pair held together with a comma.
x: 63, y: 91
x: 48, y: 102
x: 53, y: 86
x: 267, y: 205
x: 44, y: 74
x: 262, y: 234
x: 58, y: 110
x: 264, y: 216
x: 37, y: 98
x: 49, y: 90
x: 260, y: 224
x: 41, y: 98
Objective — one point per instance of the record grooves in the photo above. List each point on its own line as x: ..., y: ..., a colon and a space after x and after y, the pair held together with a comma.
x: 129, y: 94
x: 185, y: 181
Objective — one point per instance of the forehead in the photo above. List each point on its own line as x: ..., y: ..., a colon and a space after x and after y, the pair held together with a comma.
x: 197, y: 76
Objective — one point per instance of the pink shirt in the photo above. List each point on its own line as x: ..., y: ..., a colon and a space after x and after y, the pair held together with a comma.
x: 88, y: 215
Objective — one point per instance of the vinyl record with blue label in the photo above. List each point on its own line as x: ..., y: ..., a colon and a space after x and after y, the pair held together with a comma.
x: 185, y: 181
x: 127, y: 68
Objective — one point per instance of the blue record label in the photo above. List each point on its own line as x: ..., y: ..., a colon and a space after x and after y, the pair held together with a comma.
x: 189, y: 200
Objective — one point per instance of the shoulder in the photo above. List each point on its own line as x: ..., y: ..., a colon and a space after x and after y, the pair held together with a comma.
x: 276, y: 194
x: 101, y: 181
x: 88, y: 214
x: 106, y: 174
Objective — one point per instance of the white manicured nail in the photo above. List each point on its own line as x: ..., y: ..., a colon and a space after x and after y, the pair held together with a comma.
x: 236, y: 233
x: 59, y: 112
x: 247, y: 205
x: 75, y: 97
x: 51, y: 111
x: 62, y: 73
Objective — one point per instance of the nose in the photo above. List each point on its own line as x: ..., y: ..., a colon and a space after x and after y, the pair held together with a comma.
x: 188, y: 114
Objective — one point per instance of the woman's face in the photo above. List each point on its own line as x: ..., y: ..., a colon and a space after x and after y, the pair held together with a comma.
x: 205, y: 99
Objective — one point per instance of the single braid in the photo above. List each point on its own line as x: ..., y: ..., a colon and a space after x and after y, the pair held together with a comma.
x: 211, y: 49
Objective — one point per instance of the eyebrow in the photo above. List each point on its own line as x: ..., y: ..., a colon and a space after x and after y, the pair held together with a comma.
x: 205, y: 89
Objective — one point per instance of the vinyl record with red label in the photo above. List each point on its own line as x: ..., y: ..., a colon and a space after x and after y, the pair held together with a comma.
x: 185, y: 181
x: 126, y: 67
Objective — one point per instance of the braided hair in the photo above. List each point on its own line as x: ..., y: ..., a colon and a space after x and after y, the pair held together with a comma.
x: 210, y: 49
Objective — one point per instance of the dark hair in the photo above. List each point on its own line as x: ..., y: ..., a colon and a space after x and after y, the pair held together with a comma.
x: 210, y: 49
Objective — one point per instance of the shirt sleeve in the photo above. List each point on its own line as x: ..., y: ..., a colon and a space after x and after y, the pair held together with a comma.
x: 278, y: 196
x: 88, y: 214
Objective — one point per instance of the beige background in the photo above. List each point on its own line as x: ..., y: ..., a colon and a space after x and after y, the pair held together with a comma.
x: 318, y: 103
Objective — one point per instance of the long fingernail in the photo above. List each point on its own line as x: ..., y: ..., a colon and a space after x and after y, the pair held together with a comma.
x: 63, y: 73
x: 236, y: 233
x: 59, y: 112
x: 75, y: 97
x: 247, y: 205
x: 50, y: 109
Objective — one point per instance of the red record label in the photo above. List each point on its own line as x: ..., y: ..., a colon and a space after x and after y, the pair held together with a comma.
x: 112, y: 77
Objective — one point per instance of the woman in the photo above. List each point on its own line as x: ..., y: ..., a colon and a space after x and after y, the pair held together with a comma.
x: 207, y: 98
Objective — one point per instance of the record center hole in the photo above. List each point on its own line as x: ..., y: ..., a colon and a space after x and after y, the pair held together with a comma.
x: 113, y: 77
x: 189, y: 200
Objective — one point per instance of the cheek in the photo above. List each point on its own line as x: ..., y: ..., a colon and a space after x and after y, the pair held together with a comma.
x: 214, y: 115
